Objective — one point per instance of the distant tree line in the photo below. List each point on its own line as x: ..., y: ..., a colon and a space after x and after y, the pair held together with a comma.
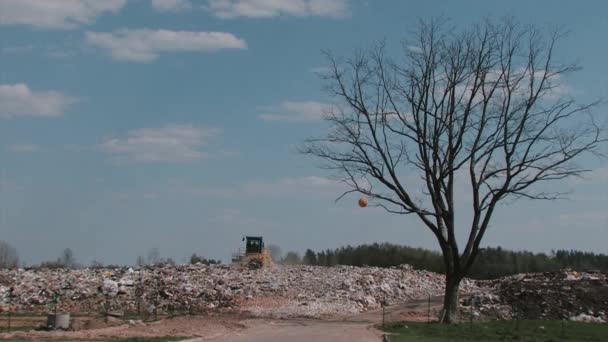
x: 66, y: 260
x: 196, y: 259
x: 9, y: 258
x: 493, y: 262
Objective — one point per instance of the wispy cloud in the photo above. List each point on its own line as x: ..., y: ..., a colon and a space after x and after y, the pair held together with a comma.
x: 171, y: 5
x: 297, y: 185
x: 19, y: 148
x: 414, y: 49
x: 274, y: 8
x: 55, y: 14
x: 294, y: 111
x: 144, y: 45
x: 19, y: 100
x: 596, y: 176
x: 320, y: 70
x: 284, y: 187
x: 17, y: 49
x: 170, y: 143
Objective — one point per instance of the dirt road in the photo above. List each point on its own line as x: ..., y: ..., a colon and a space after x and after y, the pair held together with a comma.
x: 299, y: 330
x: 236, y: 328
x: 358, y: 327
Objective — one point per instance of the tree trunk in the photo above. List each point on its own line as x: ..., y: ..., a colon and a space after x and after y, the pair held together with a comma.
x: 450, y: 301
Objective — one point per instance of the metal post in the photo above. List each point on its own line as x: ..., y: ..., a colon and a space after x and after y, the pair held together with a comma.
x: 157, y: 299
x: 471, y: 315
x: 139, y: 294
x: 428, y: 314
x: 514, y: 313
x: 106, y: 308
x: 10, y: 302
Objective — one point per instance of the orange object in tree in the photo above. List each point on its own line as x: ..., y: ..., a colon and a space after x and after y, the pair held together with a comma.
x: 363, y: 202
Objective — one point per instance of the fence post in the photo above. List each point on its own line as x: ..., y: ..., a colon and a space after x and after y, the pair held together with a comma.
x: 157, y: 299
x: 471, y: 315
x: 428, y: 313
x: 515, y: 314
x: 383, y: 310
x: 106, y: 308
x: 56, y: 303
x: 10, y: 302
x: 139, y: 293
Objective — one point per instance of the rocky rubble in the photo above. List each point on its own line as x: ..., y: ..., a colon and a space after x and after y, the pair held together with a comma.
x: 298, y: 291
x: 567, y: 294
x: 303, y: 290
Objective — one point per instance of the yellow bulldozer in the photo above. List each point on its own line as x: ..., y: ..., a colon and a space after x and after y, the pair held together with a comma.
x: 255, y: 254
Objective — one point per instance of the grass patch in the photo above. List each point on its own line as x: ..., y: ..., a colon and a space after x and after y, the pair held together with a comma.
x: 499, y: 331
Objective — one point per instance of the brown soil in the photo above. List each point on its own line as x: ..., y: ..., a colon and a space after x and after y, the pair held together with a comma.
x: 235, y: 326
x: 96, y: 328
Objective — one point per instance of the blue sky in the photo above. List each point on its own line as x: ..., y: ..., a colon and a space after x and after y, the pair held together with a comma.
x: 127, y: 125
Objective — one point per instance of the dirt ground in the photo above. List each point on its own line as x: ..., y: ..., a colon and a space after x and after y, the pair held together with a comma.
x: 232, y: 327
x: 300, y: 331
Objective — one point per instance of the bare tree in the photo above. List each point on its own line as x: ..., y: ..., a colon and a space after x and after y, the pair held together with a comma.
x: 67, y: 258
x: 276, y: 253
x: 482, y: 111
x: 292, y: 258
x: 153, y: 257
x: 140, y: 261
x: 8, y: 255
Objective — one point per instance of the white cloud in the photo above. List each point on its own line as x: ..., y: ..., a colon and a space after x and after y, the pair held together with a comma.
x: 57, y: 14
x: 145, y: 45
x: 19, y: 100
x: 273, y: 8
x: 23, y: 148
x: 170, y: 143
x: 414, y: 49
x: 293, y: 112
x: 171, y: 5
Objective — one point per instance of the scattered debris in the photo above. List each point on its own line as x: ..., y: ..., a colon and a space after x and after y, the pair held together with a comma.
x: 588, y: 318
x: 557, y: 295
x: 304, y: 291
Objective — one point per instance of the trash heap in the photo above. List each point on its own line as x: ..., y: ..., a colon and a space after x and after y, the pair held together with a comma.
x: 566, y: 294
x: 484, y: 305
x: 299, y: 290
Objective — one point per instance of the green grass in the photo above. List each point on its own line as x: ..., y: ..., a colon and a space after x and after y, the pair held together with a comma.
x: 499, y: 331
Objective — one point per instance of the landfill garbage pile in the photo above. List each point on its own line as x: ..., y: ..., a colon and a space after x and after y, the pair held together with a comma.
x: 485, y: 305
x: 307, y: 290
x: 566, y: 294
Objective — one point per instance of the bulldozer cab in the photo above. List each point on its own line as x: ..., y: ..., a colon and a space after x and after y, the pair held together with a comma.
x: 254, y: 244
x: 255, y: 255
